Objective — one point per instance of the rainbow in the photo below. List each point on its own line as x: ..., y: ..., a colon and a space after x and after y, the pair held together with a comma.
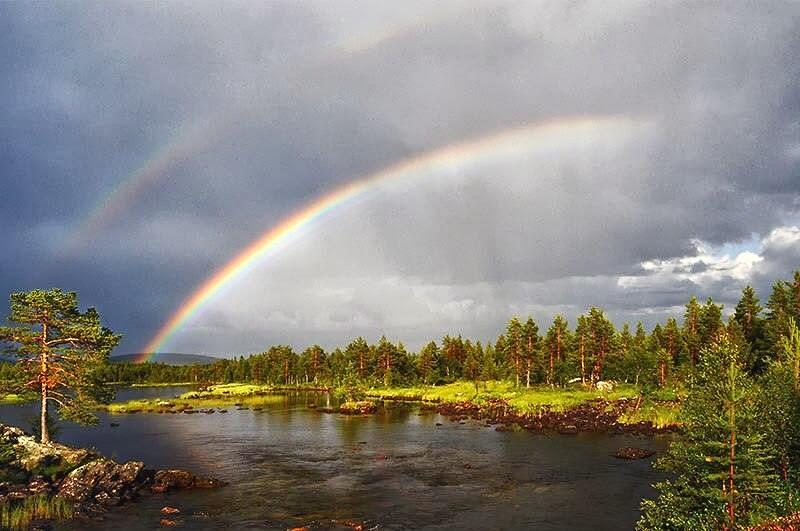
x: 184, y: 143
x: 190, y: 139
x: 517, y: 140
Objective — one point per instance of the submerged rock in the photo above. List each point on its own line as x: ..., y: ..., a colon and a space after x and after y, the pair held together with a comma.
x: 167, y: 480
x: 630, y: 452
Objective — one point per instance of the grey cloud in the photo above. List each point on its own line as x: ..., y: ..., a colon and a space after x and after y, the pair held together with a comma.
x: 298, y: 98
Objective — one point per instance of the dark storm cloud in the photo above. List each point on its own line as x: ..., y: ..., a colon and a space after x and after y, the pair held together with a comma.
x: 296, y: 98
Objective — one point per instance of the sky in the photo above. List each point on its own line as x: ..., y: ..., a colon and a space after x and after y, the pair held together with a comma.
x: 650, y: 152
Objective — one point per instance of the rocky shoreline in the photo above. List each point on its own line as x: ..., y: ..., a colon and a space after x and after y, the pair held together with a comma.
x: 598, y: 416
x: 85, y: 480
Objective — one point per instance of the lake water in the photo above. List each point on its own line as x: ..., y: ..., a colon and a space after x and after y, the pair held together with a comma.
x: 292, y: 466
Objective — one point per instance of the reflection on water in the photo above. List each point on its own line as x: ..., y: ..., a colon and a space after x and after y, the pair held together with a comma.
x: 290, y: 465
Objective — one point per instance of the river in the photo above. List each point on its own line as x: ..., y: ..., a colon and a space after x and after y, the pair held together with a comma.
x: 292, y: 466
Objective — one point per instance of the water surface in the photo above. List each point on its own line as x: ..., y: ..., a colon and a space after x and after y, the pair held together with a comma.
x: 289, y: 465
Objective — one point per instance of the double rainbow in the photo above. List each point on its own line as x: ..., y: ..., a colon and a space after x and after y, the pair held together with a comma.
x: 517, y: 140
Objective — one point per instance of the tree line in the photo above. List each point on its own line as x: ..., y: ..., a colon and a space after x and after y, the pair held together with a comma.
x: 525, y: 353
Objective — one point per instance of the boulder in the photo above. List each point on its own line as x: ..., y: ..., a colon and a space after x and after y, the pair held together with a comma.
x: 31, y: 454
x: 104, y: 482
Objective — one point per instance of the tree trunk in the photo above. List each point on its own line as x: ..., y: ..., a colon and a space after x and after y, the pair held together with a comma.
x: 43, y: 420
x: 43, y: 377
x: 528, y: 373
x: 731, y: 475
x: 731, y: 466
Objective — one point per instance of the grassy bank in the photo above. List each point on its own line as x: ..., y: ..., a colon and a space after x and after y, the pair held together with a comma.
x: 534, y: 399
x: 661, y: 408
x: 15, y: 399
x: 216, y: 396
x: 163, y: 384
x: 528, y: 400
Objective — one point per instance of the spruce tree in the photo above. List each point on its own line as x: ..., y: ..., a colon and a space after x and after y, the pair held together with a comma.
x: 691, y: 332
x: 748, y: 314
x: 722, y: 463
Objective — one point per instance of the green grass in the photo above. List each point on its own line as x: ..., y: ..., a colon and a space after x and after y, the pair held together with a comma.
x: 232, y: 389
x: 163, y: 384
x: 215, y: 396
x: 522, y: 399
x: 660, y: 414
x: 15, y: 399
x: 18, y: 516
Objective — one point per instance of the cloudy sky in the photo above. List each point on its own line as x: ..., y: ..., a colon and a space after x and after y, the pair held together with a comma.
x: 647, y: 152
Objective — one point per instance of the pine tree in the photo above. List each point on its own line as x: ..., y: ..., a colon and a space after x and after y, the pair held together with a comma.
x: 472, y: 363
x: 489, y: 363
x: 710, y: 322
x: 671, y: 341
x: 557, y: 345
x: 385, y: 355
x: 452, y: 356
x: 600, y: 341
x: 60, y: 352
x: 780, y: 409
x: 514, y: 345
x: 530, y: 347
x: 427, y: 363
x: 580, y: 344
x: 359, y: 356
x: 783, y: 305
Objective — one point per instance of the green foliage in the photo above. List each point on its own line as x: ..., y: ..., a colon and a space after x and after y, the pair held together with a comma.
x: 723, y: 462
x: 557, y: 343
x: 472, y: 363
x: 60, y: 351
x: 428, y: 363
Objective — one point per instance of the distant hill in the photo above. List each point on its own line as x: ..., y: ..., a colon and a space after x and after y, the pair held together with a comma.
x: 169, y: 358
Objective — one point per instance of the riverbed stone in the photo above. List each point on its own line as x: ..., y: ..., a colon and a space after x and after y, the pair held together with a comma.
x: 103, y: 481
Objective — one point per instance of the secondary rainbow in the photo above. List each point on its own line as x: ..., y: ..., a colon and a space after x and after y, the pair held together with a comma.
x: 184, y: 143
x: 517, y: 139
